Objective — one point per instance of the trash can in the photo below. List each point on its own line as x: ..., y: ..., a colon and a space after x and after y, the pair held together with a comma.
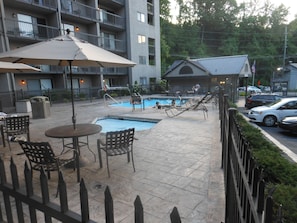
x: 23, y: 106
x: 40, y: 107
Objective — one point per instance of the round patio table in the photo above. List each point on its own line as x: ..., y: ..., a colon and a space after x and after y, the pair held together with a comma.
x: 68, y: 131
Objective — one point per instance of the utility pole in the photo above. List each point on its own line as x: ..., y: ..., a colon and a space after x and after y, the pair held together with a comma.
x: 285, y: 48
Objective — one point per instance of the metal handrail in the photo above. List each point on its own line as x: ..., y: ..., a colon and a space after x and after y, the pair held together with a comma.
x: 109, y: 96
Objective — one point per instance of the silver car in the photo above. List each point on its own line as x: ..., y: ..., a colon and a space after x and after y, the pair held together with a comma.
x: 270, y: 114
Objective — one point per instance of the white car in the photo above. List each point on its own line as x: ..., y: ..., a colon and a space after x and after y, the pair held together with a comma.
x: 253, y: 89
x: 250, y: 89
x: 275, y: 112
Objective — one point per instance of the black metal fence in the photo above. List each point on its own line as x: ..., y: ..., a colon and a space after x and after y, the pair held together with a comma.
x: 246, y: 201
x: 23, y: 205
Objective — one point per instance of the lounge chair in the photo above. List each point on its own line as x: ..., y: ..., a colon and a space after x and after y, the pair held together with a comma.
x: 192, y: 104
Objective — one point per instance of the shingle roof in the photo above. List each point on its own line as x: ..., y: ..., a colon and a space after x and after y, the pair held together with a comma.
x: 226, y: 65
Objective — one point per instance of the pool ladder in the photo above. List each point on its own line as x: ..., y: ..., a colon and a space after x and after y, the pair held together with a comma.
x: 110, y: 97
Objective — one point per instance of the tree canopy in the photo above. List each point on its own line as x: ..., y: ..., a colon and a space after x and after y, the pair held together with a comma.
x: 207, y: 28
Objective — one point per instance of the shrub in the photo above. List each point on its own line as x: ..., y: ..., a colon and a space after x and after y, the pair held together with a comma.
x: 278, y: 171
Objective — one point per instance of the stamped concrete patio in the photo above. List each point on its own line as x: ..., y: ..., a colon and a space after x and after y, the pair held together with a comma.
x: 178, y: 164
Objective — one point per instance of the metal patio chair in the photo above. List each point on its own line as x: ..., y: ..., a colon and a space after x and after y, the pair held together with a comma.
x: 15, y: 126
x: 41, y: 155
x: 117, y: 143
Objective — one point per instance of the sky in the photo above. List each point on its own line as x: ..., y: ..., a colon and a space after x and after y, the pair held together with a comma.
x: 291, y: 4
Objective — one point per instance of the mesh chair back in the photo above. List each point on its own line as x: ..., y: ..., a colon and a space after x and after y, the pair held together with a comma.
x: 19, y: 123
x: 39, y: 153
x: 119, y: 142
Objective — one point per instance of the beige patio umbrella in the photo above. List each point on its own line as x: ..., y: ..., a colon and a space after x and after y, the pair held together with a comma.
x: 69, y: 51
x: 8, y: 67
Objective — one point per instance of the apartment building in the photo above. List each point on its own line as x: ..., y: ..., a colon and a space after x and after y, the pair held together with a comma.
x: 129, y: 28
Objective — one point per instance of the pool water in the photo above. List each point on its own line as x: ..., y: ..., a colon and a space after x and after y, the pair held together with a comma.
x: 151, y: 102
x: 109, y: 124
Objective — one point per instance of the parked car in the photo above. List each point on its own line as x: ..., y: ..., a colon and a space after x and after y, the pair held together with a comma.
x: 241, y: 89
x: 266, y: 89
x: 260, y: 99
x: 253, y: 89
x: 275, y: 112
x: 289, y: 124
x: 250, y: 89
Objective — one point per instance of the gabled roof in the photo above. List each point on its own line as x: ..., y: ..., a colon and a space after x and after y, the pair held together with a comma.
x: 177, y: 63
x: 225, y: 65
x: 237, y: 65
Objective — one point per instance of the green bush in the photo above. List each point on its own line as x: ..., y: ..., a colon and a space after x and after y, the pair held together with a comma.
x: 278, y: 171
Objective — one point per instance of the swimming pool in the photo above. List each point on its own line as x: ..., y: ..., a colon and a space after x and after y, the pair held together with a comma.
x: 115, y: 123
x: 151, y: 102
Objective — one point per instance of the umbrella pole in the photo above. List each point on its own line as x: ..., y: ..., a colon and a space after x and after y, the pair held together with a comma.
x: 72, y: 96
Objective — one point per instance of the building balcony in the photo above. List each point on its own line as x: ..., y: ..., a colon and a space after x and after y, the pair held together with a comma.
x: 114, y: 45
x: 79, y: 10
x: 115, y: 4
x: 25, y: 30
x: 84, y: 70
x: 46, y: 4
x: 111, y: 21
x: 110, y: 44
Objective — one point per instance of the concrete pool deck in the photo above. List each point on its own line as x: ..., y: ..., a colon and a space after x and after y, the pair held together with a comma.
x: 178, y: 164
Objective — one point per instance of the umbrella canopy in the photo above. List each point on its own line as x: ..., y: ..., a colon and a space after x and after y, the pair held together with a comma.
x: 69, y: 51
x: 6, y: 67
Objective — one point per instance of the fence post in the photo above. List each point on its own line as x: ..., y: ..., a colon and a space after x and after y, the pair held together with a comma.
x: 109, y: 216
x: 268, y: 210
x: 62, y: 191
x: 3, y: 182
x: 44, y: 192
x: 261, y: 194
x: 29, y: 190
x: 138, y: 210
x: 16, y: 186
x: 174, y: 216
x: 84, y: 202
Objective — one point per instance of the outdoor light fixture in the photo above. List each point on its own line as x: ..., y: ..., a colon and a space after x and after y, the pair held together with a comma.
x: 82, y: 81
x: 76, y: 28
x: 23, y: 82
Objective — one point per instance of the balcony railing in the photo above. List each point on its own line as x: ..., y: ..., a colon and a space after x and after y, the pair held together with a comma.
x: 114, y: 45
x: 21, y: 29
x: 112, y: 19
x: 43, y: 3
x: 79, y: 9
x: 94, y: 39
x: 110, y: 44
x: 84, y: 70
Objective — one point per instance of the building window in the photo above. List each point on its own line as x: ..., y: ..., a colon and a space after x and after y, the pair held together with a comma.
x: 140, y: 17
x: 143, y: 81
x: 31, y: 27
x: 109, y: 41
x: 46, y: 84
x: 142, y: 60
x: 186, y: 70
x: 150, y: 12
x: 141, y: 39
x: 152, y: 51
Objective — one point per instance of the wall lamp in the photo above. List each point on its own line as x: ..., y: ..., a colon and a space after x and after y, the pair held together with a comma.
x: 23, y: 82
x: 76, y: 28
x: 82, y: 81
